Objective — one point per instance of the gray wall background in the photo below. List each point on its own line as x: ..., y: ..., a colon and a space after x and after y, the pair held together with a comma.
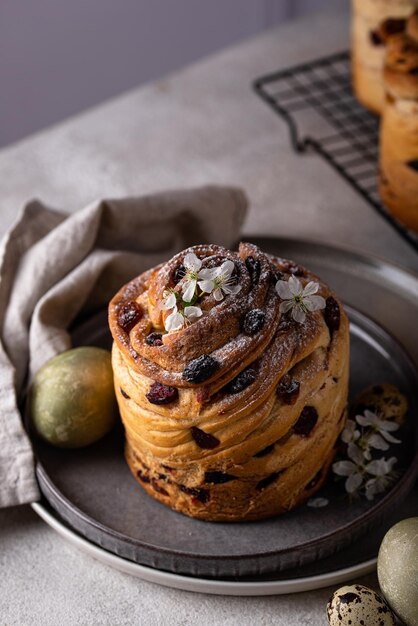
x: 58, y: 57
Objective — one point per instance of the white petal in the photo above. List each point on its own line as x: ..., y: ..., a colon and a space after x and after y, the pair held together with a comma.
x: 232, y: 289
x: 310, y: 289
x: 367, y: 454
x: 286, y: 306
x: 350, y: 433
x: 355, y: 453
x: 363, y: 420
x: 227, y: 267
x: 391, y: 462
x: 353, y: 482
x: 389, y: 437
x: 388, y: 426
x: 191, y: 262
x: 346, y: 436
x: 209, y: 274
x: 314, y: 303
x: 206, y: 285
x: 298, y: 314
x: 192, y: 312
x: 343, y: 468
x: 317, y: 503
x: 218, y: 295
x: 188, y: 290
x: 169, y: 302
x: 172, y: 300
x: 371, y: 415
x: 371, y: 489
x: 381, y: 467
x: 377, y: 442
x: 376, y: 467
x: 282, y: 288
x: 174, y: 321
x: 294, y: 286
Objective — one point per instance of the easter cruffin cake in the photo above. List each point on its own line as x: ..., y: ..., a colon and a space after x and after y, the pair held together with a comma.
x: 231, y: 375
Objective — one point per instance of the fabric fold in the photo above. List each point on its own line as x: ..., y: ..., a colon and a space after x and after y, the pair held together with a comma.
x: 55, y: 267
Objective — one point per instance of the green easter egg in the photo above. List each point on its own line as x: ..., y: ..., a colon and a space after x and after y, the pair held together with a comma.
x: 72, y: 400
x: 397, y: 569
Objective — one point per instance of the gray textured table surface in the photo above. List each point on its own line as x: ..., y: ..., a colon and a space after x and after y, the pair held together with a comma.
x: 201, y: 125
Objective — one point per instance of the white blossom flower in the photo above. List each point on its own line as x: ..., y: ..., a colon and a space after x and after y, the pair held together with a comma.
x: 381, y: 469
x: 219, y: 280
x: 380, y: 436
x: 192, y: 264
x: 299, y: 299
x: 350, y: 434
x: 364, y: 473
x: 177, y: 319
x: 353, y: 469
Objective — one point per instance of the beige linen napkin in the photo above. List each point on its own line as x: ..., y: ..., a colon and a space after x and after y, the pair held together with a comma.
x: 54, y: 266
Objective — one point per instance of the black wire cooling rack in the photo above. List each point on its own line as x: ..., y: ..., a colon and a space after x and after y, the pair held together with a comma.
x: 319, y: 95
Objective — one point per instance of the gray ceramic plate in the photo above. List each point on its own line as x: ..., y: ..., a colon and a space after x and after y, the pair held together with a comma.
x: 93, y: 491
x: 345, y: 565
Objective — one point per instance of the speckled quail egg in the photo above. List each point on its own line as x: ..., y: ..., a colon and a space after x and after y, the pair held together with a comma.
x: 356, y: 605
x: 384, y: 399
x: 397, y: 569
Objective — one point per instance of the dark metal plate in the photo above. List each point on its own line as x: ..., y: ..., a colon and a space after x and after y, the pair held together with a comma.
x: 93, y: 490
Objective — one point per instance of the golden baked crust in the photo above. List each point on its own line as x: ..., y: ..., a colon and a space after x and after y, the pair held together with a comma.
x: 368, y: 85
x: 398, y: 181
x: 219, y: 452
x: 398, y: 189
x: 373, y: 22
